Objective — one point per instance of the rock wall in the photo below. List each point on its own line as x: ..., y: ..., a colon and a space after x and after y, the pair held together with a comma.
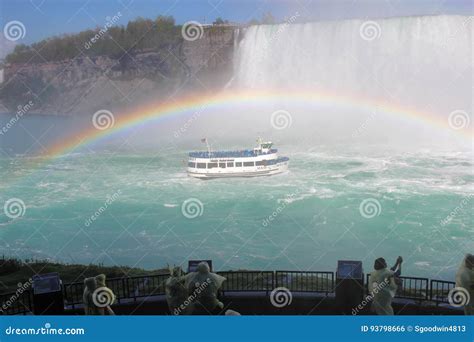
x: 86, y: 84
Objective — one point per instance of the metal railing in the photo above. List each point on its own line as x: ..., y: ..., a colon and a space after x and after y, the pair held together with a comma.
x: 16, y: 303
x: 123, y: 288
x: 414, y: 288
x: 439, y: 290
x: 248, y: 281
x: 72, y: 294
x: 132, y: 288
x: 139, y: 287
x: 297, y: 281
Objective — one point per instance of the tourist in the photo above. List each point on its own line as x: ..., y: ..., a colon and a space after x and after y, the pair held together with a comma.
x: 108, y: 294
x: 382, y: 285
x: 176, y: 293
x: 90, y: 285
x: 465, y: 280
x: 202, y: 288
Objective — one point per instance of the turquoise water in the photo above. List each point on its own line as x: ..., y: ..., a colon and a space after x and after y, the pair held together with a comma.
x: 137, y: 199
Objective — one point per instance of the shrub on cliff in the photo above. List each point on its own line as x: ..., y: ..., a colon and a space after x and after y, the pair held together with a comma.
x: 8, y: 265
x: 112, y: 41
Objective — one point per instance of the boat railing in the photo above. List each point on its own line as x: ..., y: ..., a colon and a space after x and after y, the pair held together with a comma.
x: 230, y: 154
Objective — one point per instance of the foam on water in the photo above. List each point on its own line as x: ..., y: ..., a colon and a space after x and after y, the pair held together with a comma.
x: 312, y: 208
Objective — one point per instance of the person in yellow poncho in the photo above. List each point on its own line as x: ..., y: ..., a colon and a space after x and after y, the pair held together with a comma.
x: 176, y: 292
x: 202, y: 287
x: 90, y: 285
x: 382, y: 286
x: 100, y: 281
x: 465, y: 281
x: 95, y: 293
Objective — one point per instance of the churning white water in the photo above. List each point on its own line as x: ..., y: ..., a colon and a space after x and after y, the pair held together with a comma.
x: 419, y: 60
x: 422, y: 63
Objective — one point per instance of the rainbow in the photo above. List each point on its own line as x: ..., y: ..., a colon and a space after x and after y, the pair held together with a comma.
x: 230, y: 99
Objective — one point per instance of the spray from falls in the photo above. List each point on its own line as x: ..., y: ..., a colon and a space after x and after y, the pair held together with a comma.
x: 416, y: 62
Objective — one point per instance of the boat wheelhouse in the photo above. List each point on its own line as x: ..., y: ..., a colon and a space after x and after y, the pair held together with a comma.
x: 263, y: 160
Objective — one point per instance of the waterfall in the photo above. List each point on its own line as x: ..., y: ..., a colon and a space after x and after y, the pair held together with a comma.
x: 423, y: 62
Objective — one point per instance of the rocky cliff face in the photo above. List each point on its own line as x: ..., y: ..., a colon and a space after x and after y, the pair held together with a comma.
x: 86, y: 84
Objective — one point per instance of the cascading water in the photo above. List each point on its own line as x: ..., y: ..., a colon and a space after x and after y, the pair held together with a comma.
x: 414, y: 60
x: 423, y: 63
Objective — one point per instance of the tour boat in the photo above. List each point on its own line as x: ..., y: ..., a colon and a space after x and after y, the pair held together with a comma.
x: 263, y: 160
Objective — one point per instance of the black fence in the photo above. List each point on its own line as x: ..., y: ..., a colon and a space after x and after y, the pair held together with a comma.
x: 414, y: 288
x: 248, y: 281
x: 133, y: 288
x: 17, y: 303
x: 296, y: 281
x: 439, y: 290
x: 124, y: 288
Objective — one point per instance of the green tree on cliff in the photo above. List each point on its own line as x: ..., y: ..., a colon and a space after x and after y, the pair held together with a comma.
x: 220, y: 21
x: 138, y: 34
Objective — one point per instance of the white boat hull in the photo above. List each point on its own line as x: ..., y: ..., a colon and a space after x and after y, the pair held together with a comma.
x: 228, y: 173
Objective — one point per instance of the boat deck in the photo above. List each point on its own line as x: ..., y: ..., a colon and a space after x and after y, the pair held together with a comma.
x: 230, y: 154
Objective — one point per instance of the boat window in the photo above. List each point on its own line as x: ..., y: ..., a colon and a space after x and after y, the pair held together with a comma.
x: 249, y: 163
x: 211, y: 165
x: 191, y: 164
x: 201, y: 165
x: 222, y: 165
x: 231, y: 164
x: 261, y: 163
x: 238, y: 164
